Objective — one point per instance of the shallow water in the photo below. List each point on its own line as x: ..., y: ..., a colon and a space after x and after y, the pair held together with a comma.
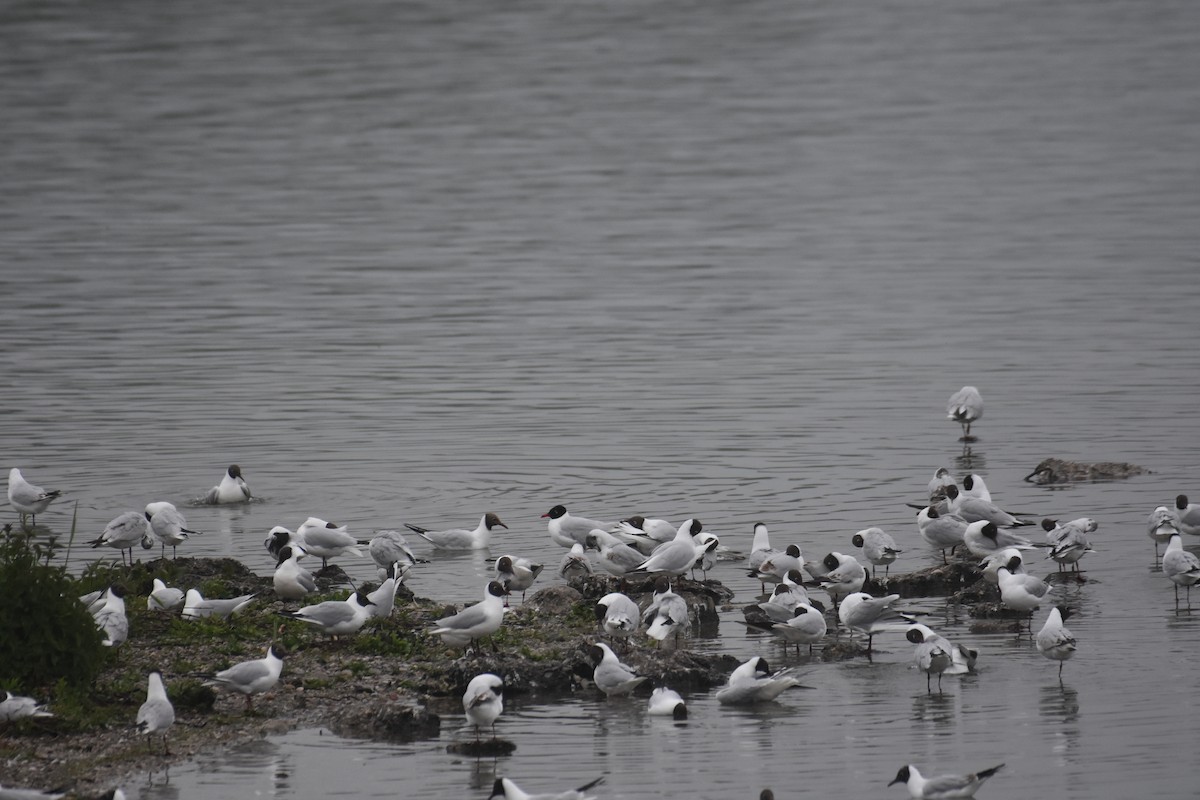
x: 411, y: 263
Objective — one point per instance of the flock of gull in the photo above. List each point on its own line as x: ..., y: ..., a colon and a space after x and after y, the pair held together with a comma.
x: 959, y: 518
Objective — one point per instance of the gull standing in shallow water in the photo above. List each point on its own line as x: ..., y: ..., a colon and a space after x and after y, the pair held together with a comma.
x: 483, y: 701
x: 461, y: 538
x: 942, y: 787
x: 27, y: 498
x: 1054, y: 641
x: 1161, y: 526
x: 932, y: 656
x: 753, y: 682
x: 943, y: 531
x: 964, y: 407
x: 878, y: 547
x: 1182, y: 567
x: 231, y: 489
x: 474, y: 622
x: 251, y: 677
x: 506, y: 789
x: 1189, y: 515
x: 156, y: 714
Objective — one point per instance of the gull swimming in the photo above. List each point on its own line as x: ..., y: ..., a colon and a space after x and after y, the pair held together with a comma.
x: 163, y: 597
x: 878, y: 547
x: 231, y: 489
x: 335, y: 617
x: 195, y: 606
x: 964, y: 407
x: 461, y: 538
x: 474, y: 622
x: 565, y: 530
x: 156, y: 715
x: 251, y: 677
x: 753, y: 682
x: 27, y: 498
x: 666, y: 702
x: 610, y: 675
x: 942, y: 787
x: 1054, y: 641
x: 506, y: 789
x: 483, y: 701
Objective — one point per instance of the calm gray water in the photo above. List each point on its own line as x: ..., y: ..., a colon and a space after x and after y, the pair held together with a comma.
x: 410, y: 262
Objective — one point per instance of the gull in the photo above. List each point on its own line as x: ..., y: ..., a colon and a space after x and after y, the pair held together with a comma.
x: 231, y: 489
x: 943, y: 531
x: 707, y: 546
x: 860, y: 611
x: 1070, y: 541
x: 156, y: 715
x: 320, y: 538
x: 516, y: 574
x: 618, y: 615
x: 335, y: 617
x: 383, y: 599
x: 964, y: 407
x: 111, y: 619
x: 163, y: 597
x: 610, y: 675
x: 27, y: 498
x: 13, y: 793
x: 251, y: 677
x: 932, y: 656
x: 806, y: 626
x: 195, y: 606
x: 645, y: 534
x: 575, y: 564
x: 461, y: 538
x: 1181, y: 566
x: 14, y: 707
x: 760, y: 550
x: 616, y: 557
x: 1054, y: 641
x: 508, y: 790
x: 753, y: 682
x: 476, y: 621
x: 666, y: 702
x: 941, y: 479
x: 1002, y: 558
x: 972, y: 509
x: 1020, y: 592
x: 962, y: 659
x: 484, y: 701
x: 1189, y: 515
x: 845, y: 576
x: 1162, y: 525
x: 292, y: 581
x: 389, y: 547
x: 776, y: 565
x: 168, y: 526
x: 124, y: 533
x: 781, y: 605
x: 973, y: 486
x: 565, y: 530
x: 668, y: 613
x: 676, y: 556
x: 983, y: 538
x: 942, y: 787
x: 878, y: 547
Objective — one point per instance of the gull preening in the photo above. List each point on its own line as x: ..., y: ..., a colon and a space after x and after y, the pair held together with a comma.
x: 878, y: 547
x: 1182, y: 567
x: 168, y: 526
x: 126, y: 532
x: 516, y: 574
x: 964, y: 407
x: 942, y: 787
x: 753, y: 682
x: 290, y: 580
x: 1162, y: 524
x: 666, y: 702
x: 860, y: 611
x: 231, y: 489
x: 110, y: 618
x: 461, y: 538
x: 27, y: 498
x: 163, y: 597
x: 506, y: 789
x: 1054, y: 641
x: 943, y: 531
x: 618, y: 615
x: 483, y: 701
x: 933, y: 655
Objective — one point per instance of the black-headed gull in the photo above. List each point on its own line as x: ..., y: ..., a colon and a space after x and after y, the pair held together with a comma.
x: 645, y: 534
x: 618, y: 615
x: 389, y: 547
x: 806, y: 626
x: 163, y: 597
x: 168, y: 526
x: 666, y: 702
x: 972, y: 509
x: 461, y: 538
x: 126, y: 532
x: 335, y: 617
x: 964, y: 407
x: 983, y: 538
x: 1018, y: 591
x: 878, y: 547
x: 776, y: 565
x: 156, y: 715
x: 677, y: 556
x: 942, y: 787
x: 27, y: 498
x: 1069, y: 541
x: 1162, y: 524
x: 292, y: 581
x: 474, y: 622
x: 14, y: 707
x: 13, y: 793
x: 943, y: 531
x: 565, y: 529
x: 111, y: 619
x: 753, y: 682
x: 1054, y: 641
x: 484, y: 701
x: 667, y: 615
x: 615, y: 557
x: 231, y: 489
x: 251, y: 677
x: 1182, y: 567
x: 974, y: 486
x: 933, y: 656
x: 196, y: 606
x: 1189, y: 515
x: 610, y: 675
x: 507, y: 790
x: 860, y: 611
x: 843, y: 577
x: 575, y: 564
x: 516, y: 574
